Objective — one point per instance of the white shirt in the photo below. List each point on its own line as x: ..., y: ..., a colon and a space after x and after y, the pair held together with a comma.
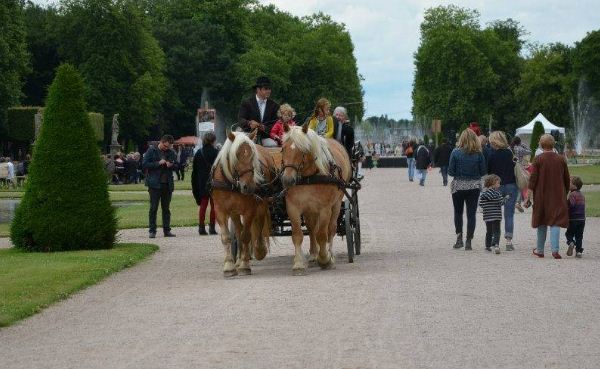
x: 262, y: 104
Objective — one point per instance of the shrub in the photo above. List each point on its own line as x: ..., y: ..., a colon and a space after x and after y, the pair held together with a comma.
x: 538, y: 131
x: 21, y: 122
x: 66, y: 204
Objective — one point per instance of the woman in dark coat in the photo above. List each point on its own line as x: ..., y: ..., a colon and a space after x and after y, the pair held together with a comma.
x: 203, y: 161
x: 550, y: 183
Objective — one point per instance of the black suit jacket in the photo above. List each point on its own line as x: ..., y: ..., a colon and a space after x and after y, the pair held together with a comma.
x: 249, y: 111
x: 347, y: 136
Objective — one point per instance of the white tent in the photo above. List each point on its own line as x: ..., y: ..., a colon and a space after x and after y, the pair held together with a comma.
x: 526, y: 131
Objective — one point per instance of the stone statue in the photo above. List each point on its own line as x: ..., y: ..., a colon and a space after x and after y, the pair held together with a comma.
x: 115, y: 129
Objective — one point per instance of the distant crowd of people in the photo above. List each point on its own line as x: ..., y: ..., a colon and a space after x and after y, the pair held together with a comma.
x: 11, y: 172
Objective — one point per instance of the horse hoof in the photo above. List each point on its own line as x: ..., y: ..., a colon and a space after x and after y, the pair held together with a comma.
x: 244, y: 271
x: 328, y: 265
x: 229, y: 273
x: 299, y: 272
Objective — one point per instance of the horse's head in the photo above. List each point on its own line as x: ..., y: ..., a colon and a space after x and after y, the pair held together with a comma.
x: 296, y: 155
x: 239, y: 161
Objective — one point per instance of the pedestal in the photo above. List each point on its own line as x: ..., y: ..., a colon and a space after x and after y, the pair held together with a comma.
x: 115, y: 148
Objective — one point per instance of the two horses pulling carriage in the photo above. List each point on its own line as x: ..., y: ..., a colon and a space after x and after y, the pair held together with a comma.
x: 296, y: 190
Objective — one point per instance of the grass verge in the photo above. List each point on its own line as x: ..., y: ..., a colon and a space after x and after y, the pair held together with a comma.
x: 29, y: 282
x: 592, y: 204
x: 589, y: 174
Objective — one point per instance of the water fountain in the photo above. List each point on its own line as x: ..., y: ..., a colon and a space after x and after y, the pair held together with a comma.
x: 585, y: 113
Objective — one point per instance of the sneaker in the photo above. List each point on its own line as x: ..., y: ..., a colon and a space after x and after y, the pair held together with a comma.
x: 556, y: 255
x: 509, y: 245
x: 487, y: 248
x: 519, y: 207
x: 468, y: 245
x: 169, y: 234
x: 152, y: 234
x: 579, y: 255
x: 570, y: 249
x: 539, y: 255
x: 496, y: 249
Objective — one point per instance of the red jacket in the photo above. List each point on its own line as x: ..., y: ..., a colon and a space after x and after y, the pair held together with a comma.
x: 277, y: 130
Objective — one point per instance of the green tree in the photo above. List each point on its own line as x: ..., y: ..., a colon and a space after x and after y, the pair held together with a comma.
x: 587, y: 60
x: 58, y: 211
x: 547, y: 84
x: 42, y: 45
x: 538, y: 131
x: 14, y: 58
x: 454, y: 78
x: 111, y: 44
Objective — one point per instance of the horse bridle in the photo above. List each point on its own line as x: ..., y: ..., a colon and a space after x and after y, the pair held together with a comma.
x: 298, y: 168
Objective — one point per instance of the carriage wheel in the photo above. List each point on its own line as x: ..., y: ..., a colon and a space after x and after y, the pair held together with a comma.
x: 349, y: 232
x: 356, y: 219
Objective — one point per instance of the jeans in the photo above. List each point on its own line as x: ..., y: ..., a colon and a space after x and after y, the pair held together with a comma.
x: 575, y: 234
x: 459, y: 199
x: 444, y: 171
x: 512, y: 190
x: 411, y: 168
x: 492, y: 233
x: 554, y: 238
x: 423, y: 174
x: 162, y: 195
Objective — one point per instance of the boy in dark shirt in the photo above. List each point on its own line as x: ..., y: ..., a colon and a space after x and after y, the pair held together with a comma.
x: 576, y: 218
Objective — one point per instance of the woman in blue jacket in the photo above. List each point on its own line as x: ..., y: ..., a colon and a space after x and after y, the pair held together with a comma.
x: 467, y: 166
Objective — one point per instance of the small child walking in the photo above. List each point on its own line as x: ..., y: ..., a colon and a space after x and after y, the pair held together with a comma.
x: 574, y: 233
x: 491, y: 201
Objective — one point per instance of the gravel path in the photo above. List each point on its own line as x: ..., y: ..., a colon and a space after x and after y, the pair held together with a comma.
x: 409, y: 301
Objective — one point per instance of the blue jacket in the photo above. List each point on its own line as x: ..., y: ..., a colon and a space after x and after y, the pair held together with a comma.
x: 466, y: 166
x: 153, y: 169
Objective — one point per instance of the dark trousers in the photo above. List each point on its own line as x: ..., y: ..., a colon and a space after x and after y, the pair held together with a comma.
x: 444, y: 171
x: 492, y: 233
x: 202, y: 212
x: 575, y: 234
x: 459, y: 199
x: 162, y: 195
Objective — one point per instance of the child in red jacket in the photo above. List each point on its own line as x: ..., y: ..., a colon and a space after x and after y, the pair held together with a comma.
x: 286, y: 114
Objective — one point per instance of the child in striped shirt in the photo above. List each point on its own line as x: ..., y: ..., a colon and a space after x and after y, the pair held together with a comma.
x: 576, y: 218
x: 491, y: 201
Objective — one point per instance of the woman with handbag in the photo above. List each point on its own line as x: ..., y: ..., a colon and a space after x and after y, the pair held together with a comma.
x: 500, y: 162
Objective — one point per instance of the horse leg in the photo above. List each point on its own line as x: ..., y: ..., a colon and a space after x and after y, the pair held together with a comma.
x: 299, y: 267
x: 324, y: 259
x: 311, y: 225
x: 228, y: 264
x: 243, y: 236
x: 258, y: 239
x: 335, y: 212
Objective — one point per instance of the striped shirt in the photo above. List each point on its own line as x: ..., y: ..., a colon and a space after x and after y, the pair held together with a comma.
x: 491, y: 201
x: 576, y: 205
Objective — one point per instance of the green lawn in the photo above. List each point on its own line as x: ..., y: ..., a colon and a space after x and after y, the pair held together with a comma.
x: 589, y: 174
x: 30, y: 282
x: 592, y: 204
x: 184, y: 212
x: 179, y: 185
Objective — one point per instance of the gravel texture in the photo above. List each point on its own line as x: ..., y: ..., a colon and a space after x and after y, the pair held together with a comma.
x: 409, y: 301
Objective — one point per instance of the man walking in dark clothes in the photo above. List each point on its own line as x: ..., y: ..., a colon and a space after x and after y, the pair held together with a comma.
x: 259, y: 112
x: 441, y: 159
x: 160, y: 161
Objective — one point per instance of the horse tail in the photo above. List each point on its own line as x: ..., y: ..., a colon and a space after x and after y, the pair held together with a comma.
x: 261, y: 230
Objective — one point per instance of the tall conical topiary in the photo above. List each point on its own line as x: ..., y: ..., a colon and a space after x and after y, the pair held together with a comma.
x: 538, y: 131
x: 66, y: 204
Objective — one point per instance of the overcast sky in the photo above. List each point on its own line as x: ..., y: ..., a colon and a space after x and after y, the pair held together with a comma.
x: 386, y: 35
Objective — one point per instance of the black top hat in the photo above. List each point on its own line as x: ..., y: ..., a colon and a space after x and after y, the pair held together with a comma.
x: 262, y: 81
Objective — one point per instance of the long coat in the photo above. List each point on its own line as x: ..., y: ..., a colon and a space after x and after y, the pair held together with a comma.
x: 203, y: 161
x: 550, y: 182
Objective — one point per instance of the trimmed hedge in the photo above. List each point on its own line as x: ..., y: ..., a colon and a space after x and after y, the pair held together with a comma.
x: 66, y: 204
x: 538, y: 131
x: 21, y: 123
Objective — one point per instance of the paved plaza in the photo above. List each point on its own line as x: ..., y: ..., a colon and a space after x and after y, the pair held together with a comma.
x: 409, y: 301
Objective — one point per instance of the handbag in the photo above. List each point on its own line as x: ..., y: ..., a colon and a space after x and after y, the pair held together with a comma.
x: 521, y: 175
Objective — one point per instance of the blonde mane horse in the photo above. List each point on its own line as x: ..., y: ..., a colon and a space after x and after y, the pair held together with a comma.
x: 305, y: 154
x: 239, y: 168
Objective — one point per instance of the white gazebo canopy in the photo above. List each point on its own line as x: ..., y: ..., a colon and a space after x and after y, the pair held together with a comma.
x: 526, y: 131
x: 548, y: 126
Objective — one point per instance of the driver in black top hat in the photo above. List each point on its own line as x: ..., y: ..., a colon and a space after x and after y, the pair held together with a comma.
x: 260, y: 112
